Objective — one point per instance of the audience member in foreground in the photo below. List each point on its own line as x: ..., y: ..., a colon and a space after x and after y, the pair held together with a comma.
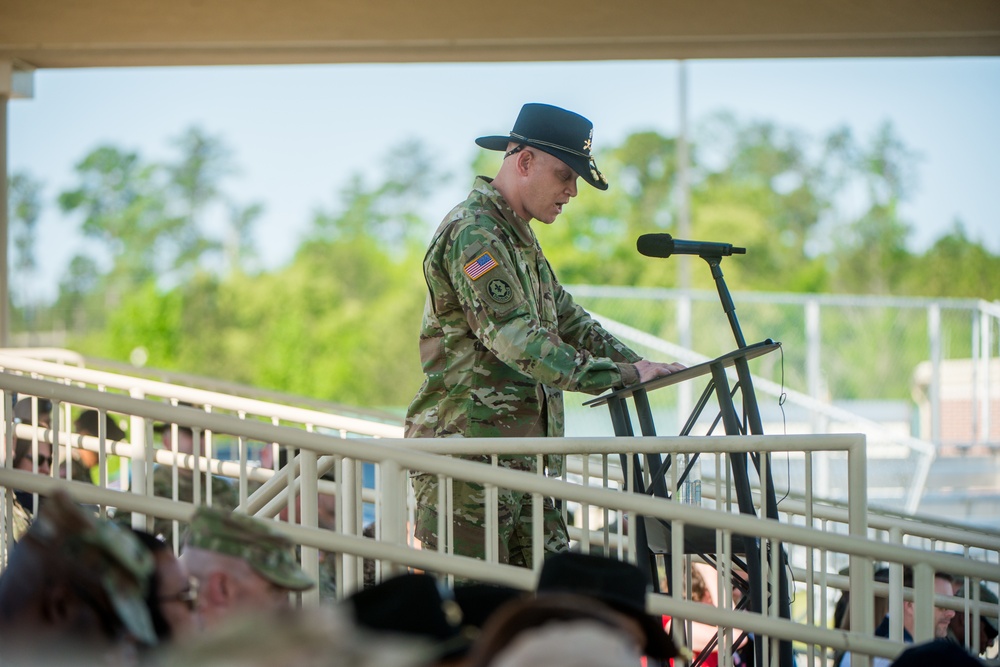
x: 296, y: 638
x: 73, y: 592
x: 620, y: 585
x: 242, y: 565
x: 513, y: 633
x: 171, y: 593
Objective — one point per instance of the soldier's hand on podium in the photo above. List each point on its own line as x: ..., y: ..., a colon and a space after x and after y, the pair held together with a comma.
x: 650, y: 370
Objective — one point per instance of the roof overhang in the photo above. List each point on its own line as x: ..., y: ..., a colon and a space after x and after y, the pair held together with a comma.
x: 126, y: 33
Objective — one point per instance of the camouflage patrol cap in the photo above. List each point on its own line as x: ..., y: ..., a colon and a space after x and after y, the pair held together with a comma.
x: 266, y: 550
x: 99, y: 552
x: 558, y: 132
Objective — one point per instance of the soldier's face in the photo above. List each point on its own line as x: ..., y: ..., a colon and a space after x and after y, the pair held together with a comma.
x: 259, y: 594
x: 178, y: 596
x: 551, y: 184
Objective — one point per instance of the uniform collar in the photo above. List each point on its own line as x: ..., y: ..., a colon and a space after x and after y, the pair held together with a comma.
x: 514, y: 223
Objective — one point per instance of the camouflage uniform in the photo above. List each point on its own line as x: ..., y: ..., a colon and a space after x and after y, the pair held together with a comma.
x: 20, y: 521
x: 225, y: 495
x: 499, y: 343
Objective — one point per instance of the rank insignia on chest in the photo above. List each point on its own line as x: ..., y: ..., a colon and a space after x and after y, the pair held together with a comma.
x: 480, y: 265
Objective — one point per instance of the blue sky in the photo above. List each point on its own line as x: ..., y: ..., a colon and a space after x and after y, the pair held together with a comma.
x: 298, y: 132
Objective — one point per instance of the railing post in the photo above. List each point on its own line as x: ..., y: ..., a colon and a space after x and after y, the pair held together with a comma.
x: 923, y: 603
x: 138, y: 429
x: 309, y: 518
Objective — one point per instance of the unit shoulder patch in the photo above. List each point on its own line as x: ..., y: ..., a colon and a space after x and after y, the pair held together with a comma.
x: 500, y: 290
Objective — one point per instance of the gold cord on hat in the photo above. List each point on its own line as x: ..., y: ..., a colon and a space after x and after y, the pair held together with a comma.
x: 549, y: 144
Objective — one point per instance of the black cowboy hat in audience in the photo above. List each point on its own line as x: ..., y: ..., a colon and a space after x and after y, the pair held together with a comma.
x: 412, y: 604
x: 620, y: 585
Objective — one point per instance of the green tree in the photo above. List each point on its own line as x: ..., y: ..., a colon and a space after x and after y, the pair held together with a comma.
x: 870, y: 254
x: 24, y: 198
x: 388, y: 211
x: 195, y: 183
x: 241, y: 253
x: 955, y: 266
x: 124, y: 207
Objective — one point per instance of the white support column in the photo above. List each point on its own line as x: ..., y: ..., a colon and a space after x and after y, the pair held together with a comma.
x: 16, y: 81
x: 685, y: 336
x: 4, y: 224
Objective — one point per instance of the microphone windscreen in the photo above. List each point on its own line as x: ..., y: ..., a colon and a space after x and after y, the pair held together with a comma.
x: 655, y: 245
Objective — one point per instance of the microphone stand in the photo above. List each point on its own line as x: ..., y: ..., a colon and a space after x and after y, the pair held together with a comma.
x: 738, y: 461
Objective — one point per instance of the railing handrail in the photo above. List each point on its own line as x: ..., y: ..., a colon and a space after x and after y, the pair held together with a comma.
x: 201, y: 396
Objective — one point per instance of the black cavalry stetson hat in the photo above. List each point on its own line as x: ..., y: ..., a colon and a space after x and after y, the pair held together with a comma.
x: 620, y: 585
x: 564, y: 134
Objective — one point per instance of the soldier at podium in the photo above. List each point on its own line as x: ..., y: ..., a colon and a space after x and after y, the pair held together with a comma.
x: 501, y: 339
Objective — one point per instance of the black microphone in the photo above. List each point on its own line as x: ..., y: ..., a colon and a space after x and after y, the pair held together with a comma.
x: 664, y: 245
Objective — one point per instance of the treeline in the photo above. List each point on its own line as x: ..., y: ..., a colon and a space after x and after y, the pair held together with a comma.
x: 339, y: 321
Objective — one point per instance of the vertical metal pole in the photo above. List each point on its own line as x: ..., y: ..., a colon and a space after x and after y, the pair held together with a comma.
x: 683, y: 230
x: 683, y: 192
x: 985, y: 340
x: 978, y: 435
x: 813, y: 372
x: 4, y: 227
x: 934, y: 333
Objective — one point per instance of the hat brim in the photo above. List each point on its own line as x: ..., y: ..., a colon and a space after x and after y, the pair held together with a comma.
x: 293, y: 580
x: 578, y: 163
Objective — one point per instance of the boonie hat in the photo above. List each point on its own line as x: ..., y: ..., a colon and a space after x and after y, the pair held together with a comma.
x: 110, y: 556
x: 266, y: 550
x: 620, y: 585
x: 564, y: 134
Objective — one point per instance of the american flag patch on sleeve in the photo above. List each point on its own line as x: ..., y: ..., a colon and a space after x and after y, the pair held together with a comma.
x: 480, y: 265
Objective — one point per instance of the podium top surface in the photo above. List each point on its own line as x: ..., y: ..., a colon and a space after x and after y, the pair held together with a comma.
x: 704, y: 368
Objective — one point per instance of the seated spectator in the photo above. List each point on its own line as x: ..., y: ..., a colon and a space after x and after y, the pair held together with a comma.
x: 987, y: 623
x: 521, y: 632
x: 942, y: 617
x: 620, y: 585
x: 171, y: 593
x: 72, y: 591
x: 704, y: 637
x: 224, y: 494
x: 242, y: 565
x: 323, y: 636
x: 84, y: 463
x: 413, y: 605
x: 570, y: 644
x: 30, y: 459
x: 26, y: 408
x: 936, y: 653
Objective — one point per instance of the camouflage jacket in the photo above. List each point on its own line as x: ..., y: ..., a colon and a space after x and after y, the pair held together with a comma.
x: 225, y: 495
x: 501, y: 339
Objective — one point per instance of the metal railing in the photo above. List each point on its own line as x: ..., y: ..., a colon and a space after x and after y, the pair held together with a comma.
x: 589, y: 488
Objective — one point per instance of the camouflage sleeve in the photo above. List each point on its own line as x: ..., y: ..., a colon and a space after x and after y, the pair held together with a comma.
x: 577, y: 327
x: 485, y: 278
